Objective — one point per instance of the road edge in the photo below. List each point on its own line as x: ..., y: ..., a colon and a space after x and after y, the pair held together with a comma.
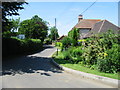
x: 105, y: 80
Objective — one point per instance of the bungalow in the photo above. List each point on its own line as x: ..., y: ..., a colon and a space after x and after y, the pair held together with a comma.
x: 88, y: 27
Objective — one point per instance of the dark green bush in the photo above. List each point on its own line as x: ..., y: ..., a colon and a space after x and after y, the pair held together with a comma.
x: 14, y: 46
x: 66, y: 55
x: 103, y: 51
x: 74, y: 35
x: 73, y: 54
x: 77, y: 55
x: 111, y: 62
x: 8, y: 34
x: 66, y: 43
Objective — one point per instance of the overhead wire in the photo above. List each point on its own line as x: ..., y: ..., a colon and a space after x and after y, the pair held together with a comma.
x: 82, y: 12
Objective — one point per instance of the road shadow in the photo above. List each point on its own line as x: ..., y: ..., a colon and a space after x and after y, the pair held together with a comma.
x: 28, y: 64
x: 47, y: 46
x: 27, y: 53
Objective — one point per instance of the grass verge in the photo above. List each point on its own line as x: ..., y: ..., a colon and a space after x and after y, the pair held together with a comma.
x: 79, y: 67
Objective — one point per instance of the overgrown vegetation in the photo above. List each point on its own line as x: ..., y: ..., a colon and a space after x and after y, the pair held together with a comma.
x: 66, y: 43
x: 100, y: 52
x: 15, y: 46
x: 74, y: 35
x: 53, y: 33
x: 10, y: 9
x: 34, y: 29
x: 66, y: 63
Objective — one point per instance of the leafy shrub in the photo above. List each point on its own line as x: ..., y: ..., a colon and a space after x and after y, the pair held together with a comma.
x: 76, y: 55
x: 111, y: 62
x: 59, y: 44
x: 66, y: 55
x: 66, y: 43
x: 73, y: 54
x: 14, y: 46
x: 10, y: 46
x: 103, y: 51
x: 47, y: 41
x: 9, y: 34
x: 74, y: 35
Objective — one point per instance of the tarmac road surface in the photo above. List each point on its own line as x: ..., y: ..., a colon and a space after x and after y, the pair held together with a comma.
x: 37, y: 71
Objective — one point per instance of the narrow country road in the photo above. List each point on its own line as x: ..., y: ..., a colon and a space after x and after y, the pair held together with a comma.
x: 37, y: 71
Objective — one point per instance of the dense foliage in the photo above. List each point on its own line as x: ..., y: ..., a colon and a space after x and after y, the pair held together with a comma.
x: 74, y: 35
x: 9, y: 34
x: 47, y: 41
x: 100, y: 52
x: 35, y: 28
x: 14, y: 46
x: 103, y: 53
x: 66, y: 43
x: 53, y: 33
x: 74, y: 54
x: 9, y: 9
x: 59, y: 44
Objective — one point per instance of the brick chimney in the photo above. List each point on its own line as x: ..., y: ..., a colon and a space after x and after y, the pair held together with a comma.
x: 80, y: 17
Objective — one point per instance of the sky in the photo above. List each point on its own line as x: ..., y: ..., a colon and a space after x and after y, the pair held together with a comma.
x: 66, y: 13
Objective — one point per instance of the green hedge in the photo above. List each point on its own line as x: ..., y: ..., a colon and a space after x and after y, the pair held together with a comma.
x: 14, y: 46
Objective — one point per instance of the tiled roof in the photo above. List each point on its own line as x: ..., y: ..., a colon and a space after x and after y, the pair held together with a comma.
x: 60, y: 38
x: 86, y: 23
x: 102, y: 26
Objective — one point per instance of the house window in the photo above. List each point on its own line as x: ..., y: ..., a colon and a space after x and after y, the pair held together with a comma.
x: 83, y: 32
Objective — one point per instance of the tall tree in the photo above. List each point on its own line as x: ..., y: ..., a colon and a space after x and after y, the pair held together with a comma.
x: 74, y: 34
x: 35, y: 28
x: 15, y: 24
x: 53, y: 33
x: 9, y: 9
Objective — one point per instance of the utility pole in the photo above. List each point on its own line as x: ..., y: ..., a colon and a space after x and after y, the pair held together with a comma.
x: 56, y: 36
x: 55, y: 32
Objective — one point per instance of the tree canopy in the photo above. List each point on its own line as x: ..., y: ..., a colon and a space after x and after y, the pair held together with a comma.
x: 9, y: 9
x: 74, y: 34
x: 53, y: 33
x: 35, y: 28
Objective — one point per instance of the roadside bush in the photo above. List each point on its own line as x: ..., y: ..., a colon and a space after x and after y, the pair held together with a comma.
x: 103, y: 52
x: 9, y: 34
x: 74, y: 35
x: 66, y: 43
x: 111, y: 62
x: 74, y: 54
x: 10, y: 46
x: 14, y: 46
x: 59, y: 44
x: 66, y: 55
x: 47, y: 41
x: 81, y: 41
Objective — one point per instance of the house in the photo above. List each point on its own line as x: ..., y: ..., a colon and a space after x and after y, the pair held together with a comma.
x: 60, y: 38
x: 89, y: 27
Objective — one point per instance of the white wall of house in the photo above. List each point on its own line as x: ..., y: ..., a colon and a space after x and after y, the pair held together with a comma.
x: 83, y: 32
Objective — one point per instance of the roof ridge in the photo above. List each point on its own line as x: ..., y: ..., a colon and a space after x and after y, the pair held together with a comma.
x: 111, y: 23
x: 103, y: 21
x: 92, y: 19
